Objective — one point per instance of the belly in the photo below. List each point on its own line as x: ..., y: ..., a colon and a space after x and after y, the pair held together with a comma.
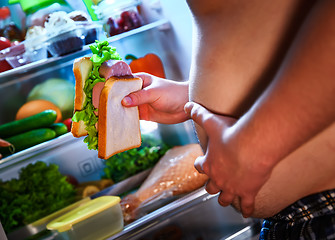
x: 237, y: 52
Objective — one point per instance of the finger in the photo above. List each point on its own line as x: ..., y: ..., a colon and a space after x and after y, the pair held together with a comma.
x: 147, y: 78
x: 4, y: 143
x: 198, y: 164
x: 200, y: 115
x: 137, y: 98
x: 211, y: 188
x: 226, y: 198
x: 247, y: 206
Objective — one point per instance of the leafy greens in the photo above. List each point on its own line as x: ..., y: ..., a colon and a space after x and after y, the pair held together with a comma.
x: 130, y: 162
x: 39, y: 191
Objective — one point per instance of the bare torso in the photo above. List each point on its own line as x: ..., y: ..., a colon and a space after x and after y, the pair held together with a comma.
x: 238, y: 49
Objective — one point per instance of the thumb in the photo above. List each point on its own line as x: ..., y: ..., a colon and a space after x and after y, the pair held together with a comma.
x: 199, y: 115
x: 141, y: 96
x: 137, y: 98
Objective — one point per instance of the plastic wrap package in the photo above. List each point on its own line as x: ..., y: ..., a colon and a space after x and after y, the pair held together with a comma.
x: 173, y: 175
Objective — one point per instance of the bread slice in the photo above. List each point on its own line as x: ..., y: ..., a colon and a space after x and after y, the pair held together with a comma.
x: 119, y: 127
x: 81, y: 69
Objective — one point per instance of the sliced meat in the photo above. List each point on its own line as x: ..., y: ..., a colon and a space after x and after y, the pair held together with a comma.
x: 96, y: 93
x: 114, y: 68
x: 110, y: 68
x: 174, y: 174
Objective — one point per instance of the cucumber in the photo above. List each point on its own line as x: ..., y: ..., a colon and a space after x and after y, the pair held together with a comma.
x: 31, y: 138
x: 59, y: 128
x: 4, y: 151
x: 39, y: 120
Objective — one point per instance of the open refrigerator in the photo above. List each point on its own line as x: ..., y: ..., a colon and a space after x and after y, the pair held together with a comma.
x: 167, y: 32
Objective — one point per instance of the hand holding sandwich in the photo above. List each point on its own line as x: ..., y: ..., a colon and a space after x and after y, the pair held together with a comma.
x: 160, y: 100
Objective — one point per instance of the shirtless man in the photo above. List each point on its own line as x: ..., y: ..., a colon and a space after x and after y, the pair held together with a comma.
x: 262, y: 93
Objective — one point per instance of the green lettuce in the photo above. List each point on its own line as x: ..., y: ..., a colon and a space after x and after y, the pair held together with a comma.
x: 101, y: 52
x: 128, y: 163
x: 39, y: 191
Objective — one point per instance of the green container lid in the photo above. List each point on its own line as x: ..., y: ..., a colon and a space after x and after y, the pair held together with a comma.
x: 31, y: 6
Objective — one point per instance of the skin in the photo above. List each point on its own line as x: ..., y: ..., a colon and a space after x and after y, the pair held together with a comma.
x: 262, y: 94
x: 160, y: 100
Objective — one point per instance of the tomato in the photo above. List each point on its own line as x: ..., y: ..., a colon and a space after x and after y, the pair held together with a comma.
x: 68, y: 123
x: 4, y: 13
x: 4, y: 43
x: 4, y: 66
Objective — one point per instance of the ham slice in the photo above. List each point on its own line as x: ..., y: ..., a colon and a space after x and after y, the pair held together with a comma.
x: 96, y: 93
x: 114, y: 68
x: 110, y: 68
x: 174, y: 174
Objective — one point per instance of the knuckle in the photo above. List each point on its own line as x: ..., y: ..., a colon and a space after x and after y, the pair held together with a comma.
x: 135, y: 97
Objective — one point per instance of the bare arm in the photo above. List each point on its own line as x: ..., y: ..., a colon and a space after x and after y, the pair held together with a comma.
x: 293, y: 109
x: 300, y: 102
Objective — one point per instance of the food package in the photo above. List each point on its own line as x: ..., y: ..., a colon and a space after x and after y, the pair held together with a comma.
x: 173, y: 175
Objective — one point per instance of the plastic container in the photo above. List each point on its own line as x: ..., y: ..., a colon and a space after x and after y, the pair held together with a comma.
x: 92, y: 31
x: 37, y: 10
x: 66, y: 42
x: 39, y: 226
x: 96, y: 219
x: 19, y: 55
x: 65, y: 35
x: 119, y: 16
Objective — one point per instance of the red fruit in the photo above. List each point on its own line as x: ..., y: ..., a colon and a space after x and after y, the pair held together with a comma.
x: 4, y: 43
x: 125, y: 21
x: 68, y: 123
x: 125, y: 15
x: 136, y: 19
x: 4, y: 12
x: 113, y: 27
x: 4, y: 66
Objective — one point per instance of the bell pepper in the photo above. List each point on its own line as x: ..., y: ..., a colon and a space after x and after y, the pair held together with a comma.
x: 150, y: 63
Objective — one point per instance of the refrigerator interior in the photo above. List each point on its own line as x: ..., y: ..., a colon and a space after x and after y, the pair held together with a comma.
x: 169, y: 35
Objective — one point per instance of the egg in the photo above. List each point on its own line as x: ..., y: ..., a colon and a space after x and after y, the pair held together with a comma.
x: 36, y: 106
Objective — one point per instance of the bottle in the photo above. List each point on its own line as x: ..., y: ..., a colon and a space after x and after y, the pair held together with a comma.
x: 37, y: 10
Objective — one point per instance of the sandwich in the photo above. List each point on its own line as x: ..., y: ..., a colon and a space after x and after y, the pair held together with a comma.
x: 102, y: 81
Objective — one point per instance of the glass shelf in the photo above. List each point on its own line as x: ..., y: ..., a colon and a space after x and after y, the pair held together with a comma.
x: 64, y: 60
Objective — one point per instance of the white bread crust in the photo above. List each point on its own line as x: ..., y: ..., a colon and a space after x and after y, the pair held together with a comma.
x: 119, y: 127
x: 81, y: 69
